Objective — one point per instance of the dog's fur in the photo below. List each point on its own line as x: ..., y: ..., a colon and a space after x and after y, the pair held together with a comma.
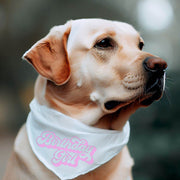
x: 77, y: 77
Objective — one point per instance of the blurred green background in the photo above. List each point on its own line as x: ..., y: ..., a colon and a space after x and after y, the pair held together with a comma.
x: 155, y: 132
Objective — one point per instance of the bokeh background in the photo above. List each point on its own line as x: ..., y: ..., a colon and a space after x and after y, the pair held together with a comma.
x: 155, y: 132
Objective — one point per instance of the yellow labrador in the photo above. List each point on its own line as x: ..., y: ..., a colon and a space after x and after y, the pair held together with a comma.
x: 93, y: 70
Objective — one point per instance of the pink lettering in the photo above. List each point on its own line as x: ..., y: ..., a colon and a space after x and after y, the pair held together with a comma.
x: 68, y: 151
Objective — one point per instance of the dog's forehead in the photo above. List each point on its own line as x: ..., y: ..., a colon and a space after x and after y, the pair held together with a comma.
x: 85, y: 31
x: 94, y: 25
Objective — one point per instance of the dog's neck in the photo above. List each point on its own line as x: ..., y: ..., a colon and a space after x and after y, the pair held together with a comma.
x: 62, y: 99
x: 78, y: 107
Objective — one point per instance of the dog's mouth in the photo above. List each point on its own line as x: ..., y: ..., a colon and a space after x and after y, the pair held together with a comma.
x: 155, y: 87
x: 153, y: 91
x: 113, y: 105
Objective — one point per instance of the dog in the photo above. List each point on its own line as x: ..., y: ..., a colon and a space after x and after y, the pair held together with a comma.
x: 95, y: 71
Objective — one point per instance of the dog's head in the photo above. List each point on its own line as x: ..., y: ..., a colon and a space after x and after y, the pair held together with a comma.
x: 101, y: 62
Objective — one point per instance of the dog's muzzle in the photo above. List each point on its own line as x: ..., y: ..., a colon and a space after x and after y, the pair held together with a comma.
x: 155, y: 69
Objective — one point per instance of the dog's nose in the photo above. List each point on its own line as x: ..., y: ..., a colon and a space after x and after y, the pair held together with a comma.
x: 154, y: 64
x: 155, y: 70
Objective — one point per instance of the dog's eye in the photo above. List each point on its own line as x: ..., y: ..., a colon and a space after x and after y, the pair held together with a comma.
x: 141, y: 45
x: 104, y: 43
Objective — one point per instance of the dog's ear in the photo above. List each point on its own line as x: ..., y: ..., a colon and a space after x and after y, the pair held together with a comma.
x: 49, y: 55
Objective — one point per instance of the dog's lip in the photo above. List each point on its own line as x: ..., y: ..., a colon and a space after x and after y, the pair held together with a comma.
x: 153, y: 93
x: 112, y: 105
x: 123, y: 104
x: 151, y: 98
x: 118, y: 104
x: 156, y: 90
x: 145, y: 99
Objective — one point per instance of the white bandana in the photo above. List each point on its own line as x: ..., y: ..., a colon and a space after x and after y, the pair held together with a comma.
x: 68, y: 147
